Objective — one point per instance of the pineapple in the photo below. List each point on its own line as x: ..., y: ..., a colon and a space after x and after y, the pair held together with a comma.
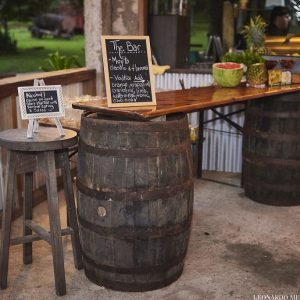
x: 254, y: 33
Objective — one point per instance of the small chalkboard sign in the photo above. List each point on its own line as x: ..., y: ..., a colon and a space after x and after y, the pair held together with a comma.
x: 41, y: 101
x: 128, y: 77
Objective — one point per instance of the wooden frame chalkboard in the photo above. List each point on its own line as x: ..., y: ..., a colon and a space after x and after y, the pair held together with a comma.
x: 41, y: 102
x: 127, y: 69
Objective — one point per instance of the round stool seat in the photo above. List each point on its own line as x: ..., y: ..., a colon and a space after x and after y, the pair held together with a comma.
x: 46, y: 139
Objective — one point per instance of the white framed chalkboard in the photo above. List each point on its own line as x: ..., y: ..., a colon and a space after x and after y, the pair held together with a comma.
x: 41, y: 102
x: 127, y: 70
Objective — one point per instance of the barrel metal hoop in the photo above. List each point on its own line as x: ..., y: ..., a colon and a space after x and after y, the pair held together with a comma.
x: 284, y: 137
x: 139, y: 233
x: 131, y: 287
x: 275, y: 115
x: 134, y: 194
x: 131, y: 126
x: 137, y: 270
x: 254, y: 159
x: 287, y: 188
x: 132, y: 153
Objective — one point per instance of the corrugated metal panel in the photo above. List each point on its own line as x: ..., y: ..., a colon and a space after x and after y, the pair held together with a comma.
x: 222, y: 148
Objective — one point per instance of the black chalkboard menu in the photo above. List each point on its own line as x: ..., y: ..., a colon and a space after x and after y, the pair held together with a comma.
x: 128, y: 78
x: 41, y: 101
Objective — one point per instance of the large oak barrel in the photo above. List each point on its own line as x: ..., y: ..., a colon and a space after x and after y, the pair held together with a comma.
x: 135, y: 201
x: 271, y: 153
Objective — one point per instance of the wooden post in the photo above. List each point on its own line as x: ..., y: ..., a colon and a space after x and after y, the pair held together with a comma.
x: 106, y: 18
x: 228, y: 26
x: 143, y: 16
x: 97, y: 15
x: 48, y: 168
x: 6, y: 218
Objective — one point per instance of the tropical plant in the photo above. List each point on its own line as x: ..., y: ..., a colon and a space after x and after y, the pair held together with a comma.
x: 246, y: 57
x: 56, y: 61
x: 254, y: 32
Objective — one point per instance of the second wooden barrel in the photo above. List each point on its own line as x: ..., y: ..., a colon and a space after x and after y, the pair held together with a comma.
x: 135, y: 201
x: 271, y: 153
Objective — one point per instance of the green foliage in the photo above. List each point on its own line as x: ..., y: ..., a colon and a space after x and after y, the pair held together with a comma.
x: 7, y: 43
x: 254, y: 32
x: 33, y: 53
x: 247, y: 58
x: 24, y: 10
x: 56, y: 61
x: 250, y: 58
x: 199, y: 30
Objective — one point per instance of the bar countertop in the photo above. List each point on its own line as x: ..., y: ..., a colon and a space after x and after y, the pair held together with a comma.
x: 189, y: 100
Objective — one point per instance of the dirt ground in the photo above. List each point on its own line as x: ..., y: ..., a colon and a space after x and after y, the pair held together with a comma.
x: 239, y: 249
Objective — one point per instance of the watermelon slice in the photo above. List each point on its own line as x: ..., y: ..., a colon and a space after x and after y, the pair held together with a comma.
x: 227, y: 74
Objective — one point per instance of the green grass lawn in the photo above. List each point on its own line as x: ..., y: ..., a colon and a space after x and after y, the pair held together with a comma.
x: 199, y: 32
x: 33, y: 53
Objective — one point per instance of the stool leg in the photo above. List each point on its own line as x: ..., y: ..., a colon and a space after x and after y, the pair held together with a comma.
x: 6, y: 218
x: 27, y: 215
x: 48, y: 163
x: 71, y: 209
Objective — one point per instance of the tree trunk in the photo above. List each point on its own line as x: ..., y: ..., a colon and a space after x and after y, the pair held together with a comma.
x: 104, y: 18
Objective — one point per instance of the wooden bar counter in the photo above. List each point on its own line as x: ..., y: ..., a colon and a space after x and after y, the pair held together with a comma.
x: 187, y: 101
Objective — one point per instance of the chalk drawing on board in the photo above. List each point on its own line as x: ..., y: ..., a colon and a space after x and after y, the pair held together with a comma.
x: 127, y: 69
x: 41, y: 101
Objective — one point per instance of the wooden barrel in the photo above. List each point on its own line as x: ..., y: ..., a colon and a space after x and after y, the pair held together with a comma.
x: 135, y: 201
x: 271, y: 153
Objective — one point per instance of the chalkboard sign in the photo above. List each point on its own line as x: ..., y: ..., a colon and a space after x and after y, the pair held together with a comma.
x: 41, y: 102
x: 128, y: 78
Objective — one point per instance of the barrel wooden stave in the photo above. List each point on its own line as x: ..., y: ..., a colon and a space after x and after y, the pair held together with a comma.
x: 271, y: 153
x: 140, y: 173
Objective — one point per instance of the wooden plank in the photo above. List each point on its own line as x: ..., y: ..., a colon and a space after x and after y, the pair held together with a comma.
x: 28, y: 239
x: 89, y: 86
x: 65, y: 124
x: 71, y: 209
x: 6, y: 220
x: 45, y: 140
x: 27, y: 215
x: 14, y: 115
x: 42, y: 232
x: 6, y: 120
x: 143, y: 16
x: 35, y: 237
x: 47, y: 160
x: 8, y: 86
x: 187, y: 101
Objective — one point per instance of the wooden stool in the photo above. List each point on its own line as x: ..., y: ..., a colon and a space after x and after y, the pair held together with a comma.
x: 46, y: 152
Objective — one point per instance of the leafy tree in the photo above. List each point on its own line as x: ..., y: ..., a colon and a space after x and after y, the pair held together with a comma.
x: 7, y: 44
x: 24, y: 10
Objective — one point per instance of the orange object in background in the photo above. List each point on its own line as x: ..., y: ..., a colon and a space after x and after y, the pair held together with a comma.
x: 278, y: 45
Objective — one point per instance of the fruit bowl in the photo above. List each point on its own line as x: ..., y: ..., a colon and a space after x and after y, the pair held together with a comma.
x: 227, y: 74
